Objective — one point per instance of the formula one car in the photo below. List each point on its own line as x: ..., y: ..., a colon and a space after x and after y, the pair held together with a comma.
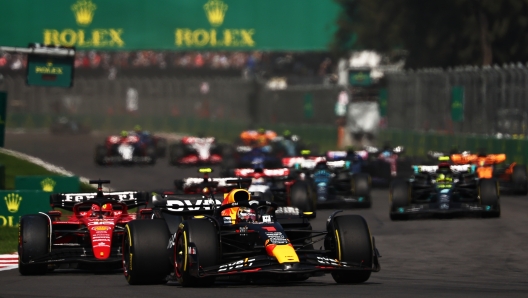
x: 279, y: 186
x: 205, y: 184
x: 125, y: 149
x: 339, y: 182
x: 250, y: 157
x: 512, y: 178
x: 196, y: 151
x: 386, y: 164
x: 197, y: 240
x: 90, y: 238
x: 444, y: 189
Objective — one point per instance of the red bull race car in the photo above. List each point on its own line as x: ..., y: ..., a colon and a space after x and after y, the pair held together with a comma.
x: 91, y: 238
x: 197, y: 239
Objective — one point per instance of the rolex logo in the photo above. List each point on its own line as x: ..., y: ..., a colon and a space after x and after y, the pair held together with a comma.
x: 13, y: 202
x: 215, y: 11
x: 84, y: 12
x: 48, y: 184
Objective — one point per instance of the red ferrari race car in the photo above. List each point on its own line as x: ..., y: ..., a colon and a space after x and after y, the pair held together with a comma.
x: 125, y: 149
x: 196, y: 151
x: 91, y: 238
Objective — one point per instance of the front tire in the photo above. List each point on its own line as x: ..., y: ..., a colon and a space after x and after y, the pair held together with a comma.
x: 145, y: 255
x: 176, y: 152
x: 204, y: 235
x: 360, y: 187
x: 353, y: 244
x: 33, y: 243
x: 400, y: 197
x: 520, y: 179
x: 489, y: 197
x: 301, y: 196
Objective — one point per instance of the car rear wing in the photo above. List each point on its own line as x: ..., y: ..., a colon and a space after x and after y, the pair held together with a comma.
x: 432, y: 169
x: 248, y: 172
x: 186, y: 204
x: 479, y: 160
x: 69, y: 200
x: 303, y: 162
x: 220, y: 182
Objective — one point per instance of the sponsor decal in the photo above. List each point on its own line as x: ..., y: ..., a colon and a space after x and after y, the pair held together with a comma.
x: 172, y: 240
x: 48, y: 184
x: 277, y: 238
x: 333, y: 262
x: 187, y: 205
x: 101, y: 228
x: 13, y: 201
x: 80, y: 197
x: 288, y: 210
x: 237, y: 265
x: 266, y: 218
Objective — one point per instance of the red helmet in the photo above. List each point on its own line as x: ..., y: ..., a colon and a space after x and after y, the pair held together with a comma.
x: 107, y: 209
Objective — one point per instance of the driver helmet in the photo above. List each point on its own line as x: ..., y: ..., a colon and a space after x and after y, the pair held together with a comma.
x: 444, y: 180
x: 245, y: 214
x: 261, y: 131
x: 124, y: 133
x: 107, y: 209
x: 287, y: 134
x: 137, y: 128
x: 95, y: 210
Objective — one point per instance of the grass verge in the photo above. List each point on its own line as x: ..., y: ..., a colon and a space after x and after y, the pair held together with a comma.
x: 18, y: 167
x: 8, y: 240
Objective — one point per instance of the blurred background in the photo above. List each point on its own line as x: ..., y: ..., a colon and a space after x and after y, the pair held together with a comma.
x: 338, y: 72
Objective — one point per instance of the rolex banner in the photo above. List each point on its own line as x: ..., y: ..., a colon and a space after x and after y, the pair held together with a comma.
x: 170, y: 25
x: 49, y: 184
x: 15, y: 203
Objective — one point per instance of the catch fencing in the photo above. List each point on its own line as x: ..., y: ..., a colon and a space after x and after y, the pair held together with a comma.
x: 494, y: 100
x: 220, y: 106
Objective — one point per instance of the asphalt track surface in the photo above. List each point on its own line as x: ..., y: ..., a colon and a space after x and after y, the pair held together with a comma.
x: 455, y: 257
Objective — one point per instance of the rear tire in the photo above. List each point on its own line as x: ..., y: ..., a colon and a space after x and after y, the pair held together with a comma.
x: 33, y: 243
x: 100, y: 153
x: 204, y: 235
x: 520, y: 179
x: 360, y: 187
x: 400, y: 197
x: 489, y: 196
x: 161, y: 148
x: 354, y: 245
x: 145, y: 254
x: 176, y: 152
x: 301, y: 196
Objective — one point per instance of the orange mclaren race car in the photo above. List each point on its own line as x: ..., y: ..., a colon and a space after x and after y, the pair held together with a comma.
x: 513, y: 178
x: 197, y: 239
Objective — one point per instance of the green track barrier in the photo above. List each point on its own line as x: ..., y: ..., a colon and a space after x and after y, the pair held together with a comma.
x: 418, y: 144
x: 226, y: 130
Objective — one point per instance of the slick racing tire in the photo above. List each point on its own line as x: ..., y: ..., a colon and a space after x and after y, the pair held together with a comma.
x: 203, y: 234
x: 100, y: 153
x: 520, y: 179
x: 145, y: 255
x: 489, y: 197
x: 352, y: 244
x: 161, y: 147
x: 34, y: 242
x: 151, y: 152
x: 176, y: 152
x: 301, y: 196
x: 400, y: 197
x: 360, y: 187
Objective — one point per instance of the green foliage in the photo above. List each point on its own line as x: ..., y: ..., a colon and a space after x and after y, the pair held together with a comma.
x: 437, y: 33
x: 8, y: 240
